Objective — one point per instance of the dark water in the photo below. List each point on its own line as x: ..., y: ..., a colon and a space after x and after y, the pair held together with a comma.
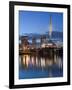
x: 35, y: 66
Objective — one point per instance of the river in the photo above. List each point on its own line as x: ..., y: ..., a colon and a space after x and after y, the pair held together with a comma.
x: 36, y: 66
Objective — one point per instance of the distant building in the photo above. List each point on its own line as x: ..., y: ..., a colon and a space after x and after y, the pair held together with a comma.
x: 43, y: 39
x: 24, y: 42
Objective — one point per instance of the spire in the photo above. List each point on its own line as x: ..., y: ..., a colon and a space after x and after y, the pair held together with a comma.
x: 50, y: 28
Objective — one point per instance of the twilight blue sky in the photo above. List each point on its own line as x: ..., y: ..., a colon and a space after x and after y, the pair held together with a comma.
x: 38, y: 22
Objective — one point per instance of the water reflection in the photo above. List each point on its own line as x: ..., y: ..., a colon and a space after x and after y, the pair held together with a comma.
x: 31, y: 65
x: 35, y: 61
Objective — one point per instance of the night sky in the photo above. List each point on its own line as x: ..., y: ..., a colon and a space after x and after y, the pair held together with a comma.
x: 38, y: 22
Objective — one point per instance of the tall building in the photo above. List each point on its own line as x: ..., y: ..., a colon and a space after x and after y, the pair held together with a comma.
x: 50, y: 27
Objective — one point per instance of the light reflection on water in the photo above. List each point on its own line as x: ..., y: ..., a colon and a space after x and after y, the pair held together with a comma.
x: 28, y: 60
x: 32, y: 66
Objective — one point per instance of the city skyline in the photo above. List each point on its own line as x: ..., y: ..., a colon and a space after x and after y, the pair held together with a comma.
x: 38, y: 22
x: 40, y: 54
